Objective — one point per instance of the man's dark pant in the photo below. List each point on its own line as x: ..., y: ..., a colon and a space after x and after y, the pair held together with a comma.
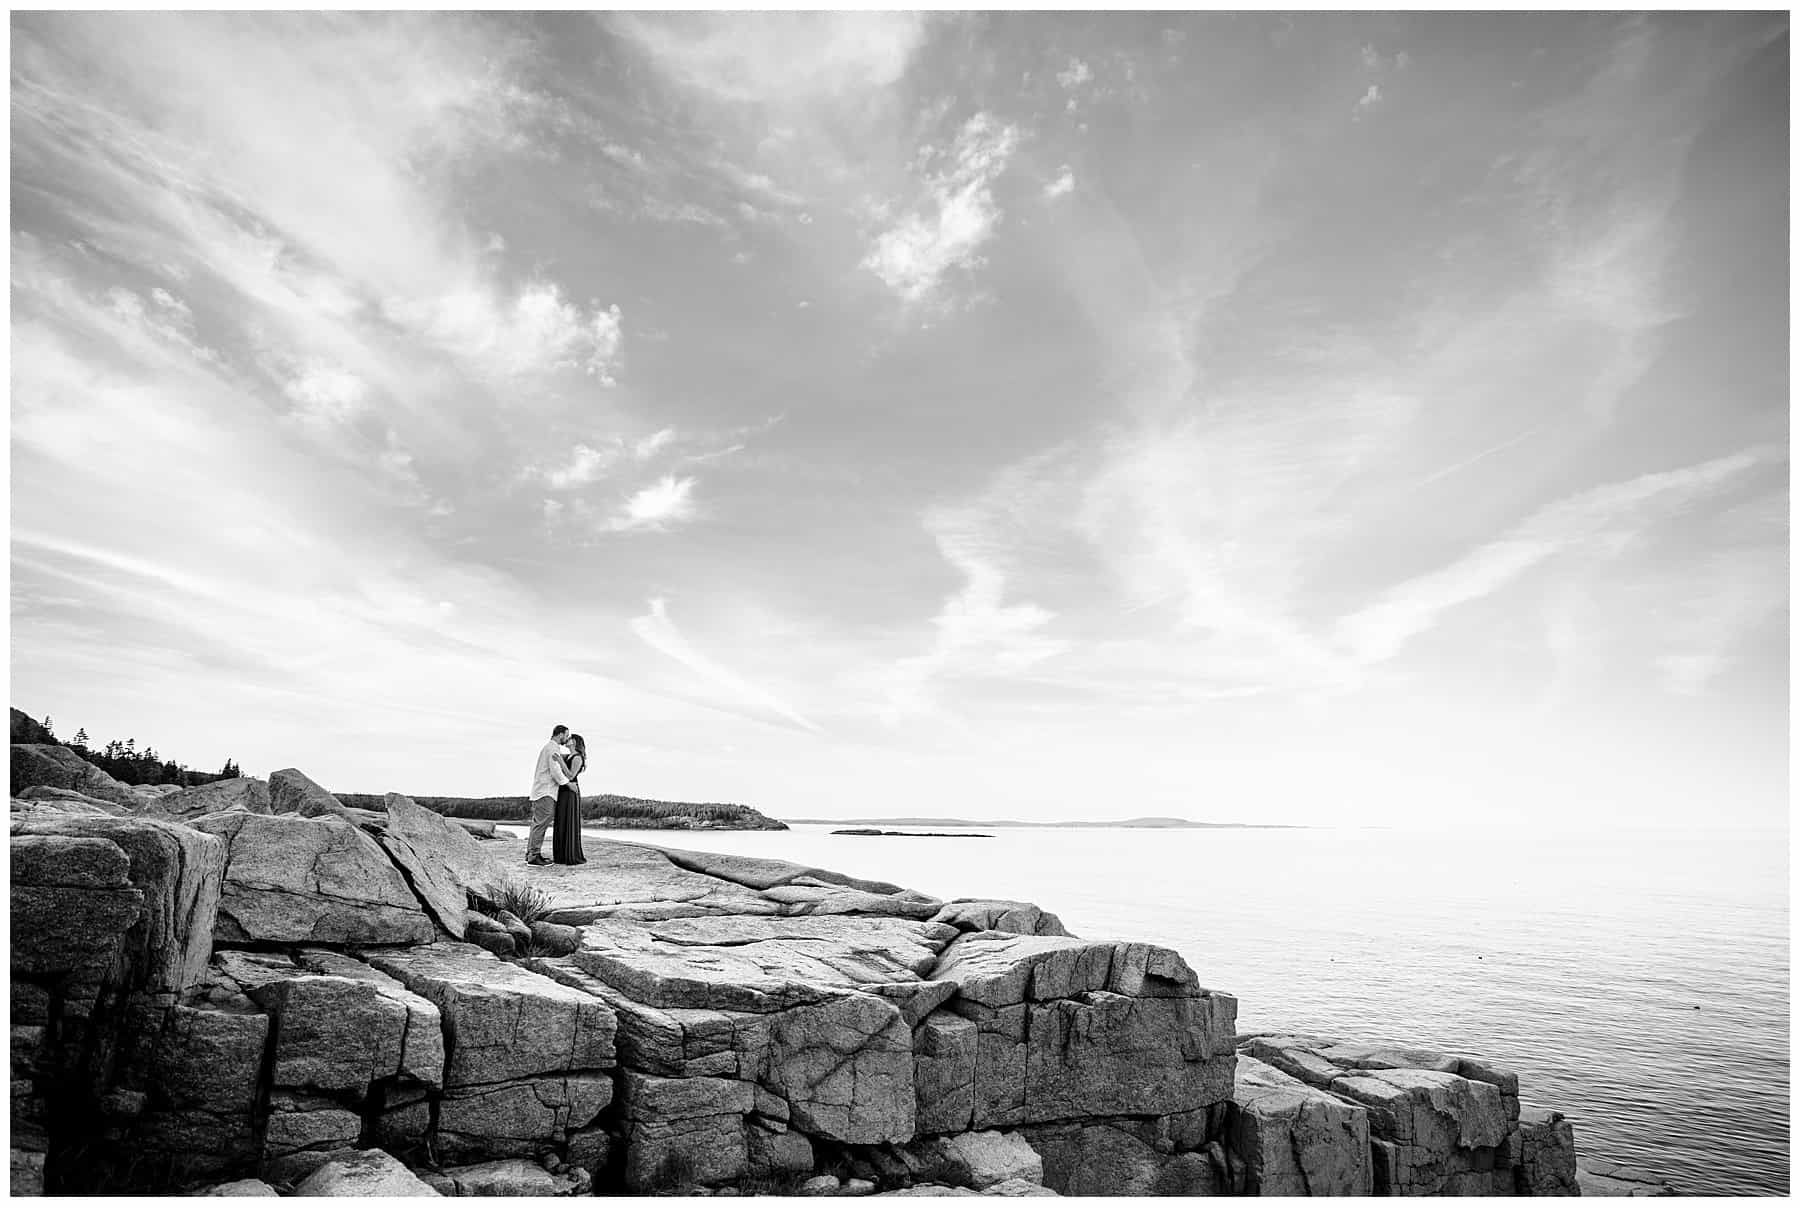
x: 543, y: 808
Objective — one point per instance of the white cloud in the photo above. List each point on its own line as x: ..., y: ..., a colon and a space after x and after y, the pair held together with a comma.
x: 958, y: 215
x: 1370, y: 99
x: 586, y: 464
x: 778, y: 58
x: 978, y: 634
x: 654, y: 443
x: 1061, y: 186
x: 665, y: 502
x: 537, y: 331
x: 1602, y: 519
x: 328, y: 395
x: 1075, y: 74
x: 659, y: 632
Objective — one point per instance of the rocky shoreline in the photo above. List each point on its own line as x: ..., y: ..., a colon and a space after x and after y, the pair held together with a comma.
x: 248, y: 988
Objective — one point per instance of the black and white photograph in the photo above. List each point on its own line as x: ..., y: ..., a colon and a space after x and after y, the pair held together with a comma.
x: 1088, y: 603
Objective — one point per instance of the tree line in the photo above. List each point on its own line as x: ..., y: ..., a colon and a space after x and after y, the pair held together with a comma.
x: 126, y: 763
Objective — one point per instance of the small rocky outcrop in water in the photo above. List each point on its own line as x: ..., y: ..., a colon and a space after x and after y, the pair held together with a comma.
x: 258, y: 1001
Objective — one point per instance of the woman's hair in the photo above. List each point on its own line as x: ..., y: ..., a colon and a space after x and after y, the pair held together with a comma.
x: 579, y: 743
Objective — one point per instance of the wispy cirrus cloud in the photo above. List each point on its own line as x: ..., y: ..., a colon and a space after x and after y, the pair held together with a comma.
x: 1603, y: 517
x: 659, y: 632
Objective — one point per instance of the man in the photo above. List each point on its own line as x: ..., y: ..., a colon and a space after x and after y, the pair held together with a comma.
x: 548, y: 777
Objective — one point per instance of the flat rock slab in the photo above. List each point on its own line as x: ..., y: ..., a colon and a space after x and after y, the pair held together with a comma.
x: 1605, y: 1179
x: 645, y: 883
x: 770, y: 952
x: 316, y: 880
x: 503, y: 1022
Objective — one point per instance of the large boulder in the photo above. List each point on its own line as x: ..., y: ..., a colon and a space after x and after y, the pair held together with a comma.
x: 1439, y: 1123
x: 43, y: 765
x: 72, y: 902
x: 366, y: 1174
x: 440, y: 858
x: 290, y: 791
x: 977, y: 1160
x: 313, y: 880
x: 1291, y: 1139
x: 513, y: 1176
x: 254, y: 1188
x: 1067, y: 1029
x: 331, y: 1033
x: 1012, y: 917
x: 177, y: 870
x: 238, y: 794
x: 503, y: 1022
x: 422, y: 1043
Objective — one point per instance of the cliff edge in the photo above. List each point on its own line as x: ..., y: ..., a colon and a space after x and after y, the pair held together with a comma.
x: 252, y: 984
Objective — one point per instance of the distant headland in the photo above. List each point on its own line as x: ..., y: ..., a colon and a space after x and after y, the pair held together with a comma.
x: 1129, y: 823
x: 602, y: 811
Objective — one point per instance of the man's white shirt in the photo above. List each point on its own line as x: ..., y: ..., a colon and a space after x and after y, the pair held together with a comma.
x: 549, y: 775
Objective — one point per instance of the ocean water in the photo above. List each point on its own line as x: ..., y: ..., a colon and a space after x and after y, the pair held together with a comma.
x: 1637, y: 982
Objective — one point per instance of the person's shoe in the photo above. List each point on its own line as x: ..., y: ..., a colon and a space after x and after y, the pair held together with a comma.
x: 536, y: 861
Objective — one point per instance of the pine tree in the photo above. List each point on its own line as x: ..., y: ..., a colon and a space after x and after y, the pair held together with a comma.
x: 81, y: 738
x: 50, y: 727
x: 131, y: 748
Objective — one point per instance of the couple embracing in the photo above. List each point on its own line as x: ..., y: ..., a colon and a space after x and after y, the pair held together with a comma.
x: 556, y: 794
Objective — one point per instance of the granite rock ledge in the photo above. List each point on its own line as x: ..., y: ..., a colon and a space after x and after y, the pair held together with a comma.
x: 213, y: 995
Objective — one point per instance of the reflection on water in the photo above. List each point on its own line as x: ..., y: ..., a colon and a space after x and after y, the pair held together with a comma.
x: 1637, y: 982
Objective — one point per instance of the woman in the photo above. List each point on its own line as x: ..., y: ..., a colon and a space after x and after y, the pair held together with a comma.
x: 565, y: 845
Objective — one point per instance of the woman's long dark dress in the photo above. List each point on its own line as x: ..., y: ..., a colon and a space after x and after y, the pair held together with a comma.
x: 565, y: 842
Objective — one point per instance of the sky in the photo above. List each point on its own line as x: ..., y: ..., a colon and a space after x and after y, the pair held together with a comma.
x: 1326, y: 419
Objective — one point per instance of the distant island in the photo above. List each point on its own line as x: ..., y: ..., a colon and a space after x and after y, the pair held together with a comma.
x: 871, y: 832
x: 1130, y: 823
x: 602, y: 811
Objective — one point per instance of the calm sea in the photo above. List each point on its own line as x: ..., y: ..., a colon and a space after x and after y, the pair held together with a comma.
x: 1638, y: 982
